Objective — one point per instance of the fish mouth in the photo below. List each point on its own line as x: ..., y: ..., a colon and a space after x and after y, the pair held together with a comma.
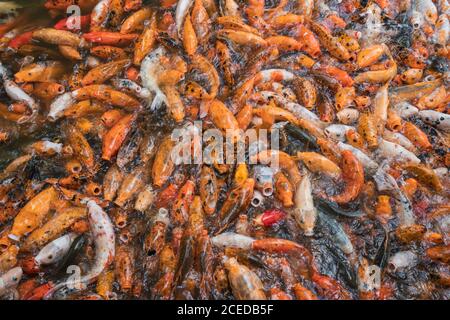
x: 256, y: 202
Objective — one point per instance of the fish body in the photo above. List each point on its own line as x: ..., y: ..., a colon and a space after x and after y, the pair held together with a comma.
x: 437, y: 119
x: 336, y: 233
x: 368, y: 164
x: 395, y: 152
x: 59, y: 105
x: 405, y: 110
x: 337, y: 131
x: 104, y: 238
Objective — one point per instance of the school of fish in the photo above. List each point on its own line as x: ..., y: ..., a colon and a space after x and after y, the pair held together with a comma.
x: 94, y: 206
